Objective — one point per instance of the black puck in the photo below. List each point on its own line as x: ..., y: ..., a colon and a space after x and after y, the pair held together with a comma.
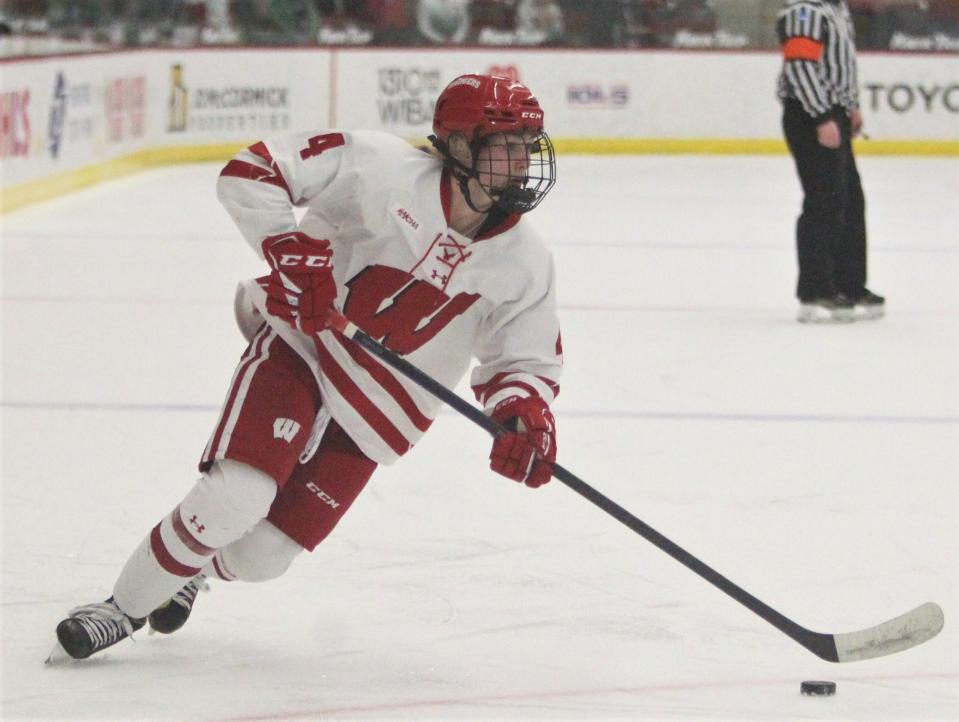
x: 818, y: 689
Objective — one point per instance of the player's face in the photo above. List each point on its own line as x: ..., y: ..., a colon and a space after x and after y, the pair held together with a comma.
x: 511, y: 170
x: 504, y: 160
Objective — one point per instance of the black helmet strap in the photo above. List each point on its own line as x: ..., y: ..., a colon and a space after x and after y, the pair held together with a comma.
x: 461, y: 172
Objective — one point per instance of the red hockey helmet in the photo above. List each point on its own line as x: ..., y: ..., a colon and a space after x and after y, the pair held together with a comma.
x: 479, y: 105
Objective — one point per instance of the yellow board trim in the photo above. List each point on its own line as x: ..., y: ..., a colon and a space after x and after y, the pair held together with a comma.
x: 42, y: 189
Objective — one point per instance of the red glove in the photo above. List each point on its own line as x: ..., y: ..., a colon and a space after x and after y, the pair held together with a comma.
x: 300, y: 289
x: 525, y: 453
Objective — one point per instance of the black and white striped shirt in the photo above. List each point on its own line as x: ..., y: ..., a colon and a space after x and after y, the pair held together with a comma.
x: 819, y: 56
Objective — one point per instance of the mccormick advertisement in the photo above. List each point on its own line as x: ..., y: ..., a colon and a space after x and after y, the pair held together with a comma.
x: 215, y: 96
x: 65, y: 114
x: 218, y: 109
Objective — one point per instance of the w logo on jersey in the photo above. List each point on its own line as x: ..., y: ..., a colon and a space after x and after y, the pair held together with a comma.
x: 285, y: 429
x: 401, y: 311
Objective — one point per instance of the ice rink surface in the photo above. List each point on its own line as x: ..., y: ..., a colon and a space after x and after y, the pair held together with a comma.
x: 818, y: 467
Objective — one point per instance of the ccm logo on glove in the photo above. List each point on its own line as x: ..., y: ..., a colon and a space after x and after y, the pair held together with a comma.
x: 296, y: 261
x: 300, y: 288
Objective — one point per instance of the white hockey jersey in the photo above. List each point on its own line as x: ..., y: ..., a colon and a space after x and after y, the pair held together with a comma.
x: 403, y: 276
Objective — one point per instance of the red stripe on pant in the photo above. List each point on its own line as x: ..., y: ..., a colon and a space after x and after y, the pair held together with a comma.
x: 251, y: 355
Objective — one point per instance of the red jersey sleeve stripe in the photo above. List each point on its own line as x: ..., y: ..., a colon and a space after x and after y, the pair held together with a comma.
x: 553, y: 386
x: 479, y: 390
x: 802, y: 49
x: 510, y: 384
x: 358, y: 400
x: 388, y: 381
x: 272, y: 175
x: 499, y: 382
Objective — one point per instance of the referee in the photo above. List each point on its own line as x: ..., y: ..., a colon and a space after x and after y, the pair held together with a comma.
x: 820, y: 96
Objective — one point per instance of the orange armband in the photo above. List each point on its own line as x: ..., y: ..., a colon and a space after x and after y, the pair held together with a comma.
x: 802, y: 49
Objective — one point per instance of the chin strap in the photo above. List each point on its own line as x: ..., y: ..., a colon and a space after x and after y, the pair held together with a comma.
x: 463, y: 181
x: 462, y: 173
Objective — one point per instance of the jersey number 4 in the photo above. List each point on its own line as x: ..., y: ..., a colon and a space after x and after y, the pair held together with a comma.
x: 318, y: 143
x: 392, y: 306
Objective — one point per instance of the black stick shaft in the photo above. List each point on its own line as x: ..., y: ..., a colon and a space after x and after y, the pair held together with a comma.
x: 823, y: 645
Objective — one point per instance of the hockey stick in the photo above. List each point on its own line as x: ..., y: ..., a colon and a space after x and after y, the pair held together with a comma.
x: 908, y: 630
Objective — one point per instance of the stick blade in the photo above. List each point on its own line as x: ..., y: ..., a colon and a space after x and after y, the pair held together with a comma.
x: 904, y: 632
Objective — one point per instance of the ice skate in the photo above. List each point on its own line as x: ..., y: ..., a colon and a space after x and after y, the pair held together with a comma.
x: 173, y: 614
x: 870, y: 306
x: 835, y: 309
x: 92, y: 628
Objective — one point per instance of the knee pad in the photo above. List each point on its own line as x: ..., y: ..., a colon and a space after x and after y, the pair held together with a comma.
x: 223, y: 505
x: 263, y: 554
x: 226, y: 502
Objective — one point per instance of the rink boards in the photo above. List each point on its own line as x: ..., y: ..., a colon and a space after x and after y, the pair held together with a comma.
x: 70, y: 121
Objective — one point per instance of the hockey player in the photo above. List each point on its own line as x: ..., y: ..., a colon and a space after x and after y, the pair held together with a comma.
x: 426, y: 252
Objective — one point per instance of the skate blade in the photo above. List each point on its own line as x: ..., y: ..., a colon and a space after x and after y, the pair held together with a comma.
x: 57, y: 654
x: 870, y: 314
x: 818, y: 316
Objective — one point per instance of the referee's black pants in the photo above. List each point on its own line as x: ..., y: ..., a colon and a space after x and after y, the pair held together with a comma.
x: 831, y: 232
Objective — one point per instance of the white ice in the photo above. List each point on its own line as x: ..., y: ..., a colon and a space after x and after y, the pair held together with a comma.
x: 818, y: 467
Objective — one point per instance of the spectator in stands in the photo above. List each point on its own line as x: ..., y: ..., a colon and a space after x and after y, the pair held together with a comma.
x: 443, y: 22
x: 344, y: 23
x: 693, y: 24
x: 897, y: 24
x: 493, y: 22
x: 149, y: 22
x: 944, y: 15
x: 695, y: 15
x: 392, y: 22
x: 539, y: 22
x: 664, y: 19
x: 591, y: 25
x: 296, y: 20
x: 218, y: 27
x: 634, y: 23
x: 67, y: 19
x: 26, y: 9
x: 498, y: 14
x: 908, y: 22
x: 102, y: 23
x: 578, y: 29
x: 868, y: 24
x: 276, y: 22
x: 188, y: 18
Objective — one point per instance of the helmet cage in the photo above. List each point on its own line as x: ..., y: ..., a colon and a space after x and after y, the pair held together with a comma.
x: 508, y: 192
